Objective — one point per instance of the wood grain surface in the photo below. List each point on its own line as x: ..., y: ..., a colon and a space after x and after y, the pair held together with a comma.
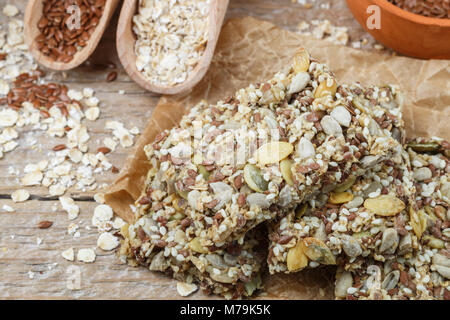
x: 32, y: 271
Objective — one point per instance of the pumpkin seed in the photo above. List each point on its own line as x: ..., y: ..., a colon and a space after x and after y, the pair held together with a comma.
x: 296, y: 258
x: 389, y: 241
x: 318, y: 251
x: 202, y: 170
x: 344, y: 186
x: 286, y: 172
x: 196, y: 246
x: 299, y: 82
x: 273, y: 152
x: 340, y: 197
x: 385, y: 205
x: 424, y: 147
x: 391, y: 280
x: 301, y: 61
x: 326, y: 88
x: 433, y: 242
x: 254, y: 178
x: 418, y: 221
x: 177, y: 216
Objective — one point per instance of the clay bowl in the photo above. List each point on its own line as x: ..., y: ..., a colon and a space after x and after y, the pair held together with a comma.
x: 405, y: 32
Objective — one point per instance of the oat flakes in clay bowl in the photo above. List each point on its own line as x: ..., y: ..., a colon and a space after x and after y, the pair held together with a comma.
x: 126, y: 40
x: 33, y: 15
x: 405, y: 32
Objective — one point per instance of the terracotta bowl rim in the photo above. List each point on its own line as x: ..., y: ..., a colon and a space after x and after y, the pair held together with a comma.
x: 409, y: 15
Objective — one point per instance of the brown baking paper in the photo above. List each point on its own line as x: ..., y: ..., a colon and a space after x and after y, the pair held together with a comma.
x: 250, y: 51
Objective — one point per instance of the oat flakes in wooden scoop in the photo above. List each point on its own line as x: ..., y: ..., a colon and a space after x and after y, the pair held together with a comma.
x: 61, y: 35
x: 166, y: 47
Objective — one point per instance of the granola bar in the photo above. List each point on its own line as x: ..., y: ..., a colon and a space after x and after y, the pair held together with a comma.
x: 426, y: 273
x: 232, y: 272
x: 392, y: 280
x: 430, y: 159
x: 431, y: 168
x: 421, y: 276
x: 259, y: 153
x: 364, y: 217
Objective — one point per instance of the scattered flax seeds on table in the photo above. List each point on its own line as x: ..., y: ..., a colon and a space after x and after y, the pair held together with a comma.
x: 171, y: 38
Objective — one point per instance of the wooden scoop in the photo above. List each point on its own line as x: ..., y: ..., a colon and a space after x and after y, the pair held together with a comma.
x: 126, y: 43
x: 33, y: 14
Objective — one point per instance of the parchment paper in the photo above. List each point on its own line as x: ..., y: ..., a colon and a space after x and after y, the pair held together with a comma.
x: 251, y: 51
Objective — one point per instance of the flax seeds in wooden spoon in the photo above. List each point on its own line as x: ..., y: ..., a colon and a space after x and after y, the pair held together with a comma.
x: 60, y: 48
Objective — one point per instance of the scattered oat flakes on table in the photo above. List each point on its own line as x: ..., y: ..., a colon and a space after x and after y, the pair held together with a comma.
x: 20, y: 195
x: 86, y: 255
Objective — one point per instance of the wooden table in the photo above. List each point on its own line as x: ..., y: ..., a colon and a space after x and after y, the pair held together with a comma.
x: 51, y: 275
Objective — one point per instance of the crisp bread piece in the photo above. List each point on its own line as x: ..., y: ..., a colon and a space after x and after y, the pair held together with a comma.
x: 365, y: 217
x: 253, y: 156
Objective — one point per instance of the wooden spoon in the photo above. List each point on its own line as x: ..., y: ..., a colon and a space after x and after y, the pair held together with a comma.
x: 126, y: 42
x: 33, y: 14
